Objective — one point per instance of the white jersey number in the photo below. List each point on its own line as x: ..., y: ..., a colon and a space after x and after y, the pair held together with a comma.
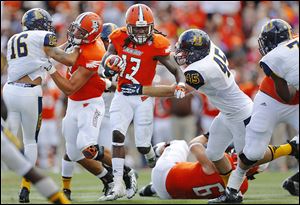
x: 206, y: 190
x: 21, y: 47
x: 134, y: 69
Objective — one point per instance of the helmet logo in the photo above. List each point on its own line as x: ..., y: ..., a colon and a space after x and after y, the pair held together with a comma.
x: 197, y: 41
x: 95, y: 25
x: 38, y: 15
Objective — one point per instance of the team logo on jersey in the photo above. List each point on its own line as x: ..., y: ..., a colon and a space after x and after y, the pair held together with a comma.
x: 93, y: 64
x: 168, y: 50
x: 132, y: 51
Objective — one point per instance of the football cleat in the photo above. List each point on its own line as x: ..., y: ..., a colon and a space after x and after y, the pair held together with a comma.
x: 291, y: 186
x: 118, y: 191
x: 130, y: 180
x: 146, y: 191
x: 24, y: 195
x: 108, y: 188
x: 67, y: 193
x: 151, y: 162
x: 230, y: 195
x: 295, y: 147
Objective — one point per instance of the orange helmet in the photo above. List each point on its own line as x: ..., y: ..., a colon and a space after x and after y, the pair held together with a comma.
x: 140, y: 23
x: 85, y: 29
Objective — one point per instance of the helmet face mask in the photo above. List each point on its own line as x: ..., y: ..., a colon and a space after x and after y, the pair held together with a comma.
x: 272, y: 34
x: 37, y: 19
x: 140, y: 23
x: 76, y: 34
x: 85, y: 29
x: 193, y: 45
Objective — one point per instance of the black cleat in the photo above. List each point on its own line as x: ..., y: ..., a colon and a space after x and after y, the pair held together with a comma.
x: 24, y: 195
x: 146, y: 191
x: 295, y: 147
x: 291, y: 186
x: 67, y: 193
x: 108, y: 188
x: 131, y: 184
x: 230, y: 196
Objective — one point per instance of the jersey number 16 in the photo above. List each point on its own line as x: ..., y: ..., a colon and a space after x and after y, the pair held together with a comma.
x: 21, y: 47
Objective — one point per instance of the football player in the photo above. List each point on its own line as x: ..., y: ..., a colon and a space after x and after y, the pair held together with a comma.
x: 15, y: 161
x: 207, y: 71
x: 276, y: 101
x: 26, y: 52
x: 198, y: 180
x: 104, y: 140
x: 134, y: 52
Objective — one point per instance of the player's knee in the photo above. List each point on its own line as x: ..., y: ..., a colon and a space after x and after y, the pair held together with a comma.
x: 144, y: 150
x: 247, y: 160
x: 118, y: 137
x: 93, y: 152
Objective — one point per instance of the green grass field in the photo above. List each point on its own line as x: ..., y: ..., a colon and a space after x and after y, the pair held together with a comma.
x: 266, y: 189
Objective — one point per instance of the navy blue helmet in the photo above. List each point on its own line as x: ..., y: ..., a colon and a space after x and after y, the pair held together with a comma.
x: 273, y: 33
x: 37, y: 19
x: 192, y: 45
x: 107, y: 29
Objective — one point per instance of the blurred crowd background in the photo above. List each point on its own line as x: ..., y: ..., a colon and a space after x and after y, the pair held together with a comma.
x: 232, y: 25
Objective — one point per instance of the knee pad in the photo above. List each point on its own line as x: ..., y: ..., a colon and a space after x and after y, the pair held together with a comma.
x: 93, y: 152
x: 118, y: 138
x: 245, y: 160
x: 144, y: 150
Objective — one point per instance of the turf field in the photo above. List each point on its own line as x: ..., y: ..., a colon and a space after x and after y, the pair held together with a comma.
x: 265, y: 189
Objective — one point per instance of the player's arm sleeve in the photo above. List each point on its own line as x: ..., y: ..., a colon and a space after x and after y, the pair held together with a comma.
x: 50, y: 40
x: 194, y: 79
x: 272, y: 64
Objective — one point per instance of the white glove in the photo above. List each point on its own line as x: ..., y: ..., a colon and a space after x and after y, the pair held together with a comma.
x: 47, y: 65
x: 180, y: 90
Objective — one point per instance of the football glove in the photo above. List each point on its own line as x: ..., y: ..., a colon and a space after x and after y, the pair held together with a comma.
x: 132, y: 89
x: 180, y: 90
x: 47, y: 65
x: 113, y: 64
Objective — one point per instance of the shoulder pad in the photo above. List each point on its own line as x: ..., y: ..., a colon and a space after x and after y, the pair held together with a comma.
x: 159, y: 41
x: 116, y: 33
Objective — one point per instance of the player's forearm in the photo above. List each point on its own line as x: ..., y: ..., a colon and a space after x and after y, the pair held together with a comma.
x: 63, y: 84
x: 59, y: 55
x: 159, y: 91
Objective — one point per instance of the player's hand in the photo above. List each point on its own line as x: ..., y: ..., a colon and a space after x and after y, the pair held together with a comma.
x: 47, y: 65
x: 132, y: 89
x: 115, y: 63
x: 180, y: 90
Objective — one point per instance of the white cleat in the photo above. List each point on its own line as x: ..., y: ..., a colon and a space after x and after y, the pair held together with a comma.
x: 117, y: 192
x: 131, y: 184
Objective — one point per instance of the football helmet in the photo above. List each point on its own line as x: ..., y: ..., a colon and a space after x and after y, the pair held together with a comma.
x: 192, y: 45
x: 37, y: 19
x: 272, y: 33
x: 85, y: 29
x: 108, y: 28
x: 140, y: 23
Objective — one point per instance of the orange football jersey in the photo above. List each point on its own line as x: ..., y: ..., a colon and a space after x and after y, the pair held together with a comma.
x: 50, y: 98
x: 208, y: 109
x: 89, y: 58
x: 187, y: 180
x: 249, y: 89
x: 140, y: 62
x: 268, y: 86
